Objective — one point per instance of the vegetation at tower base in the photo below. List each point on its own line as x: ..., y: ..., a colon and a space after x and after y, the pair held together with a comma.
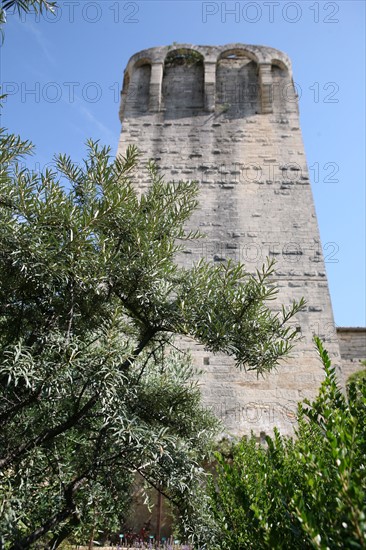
x: 307, y: 492
x: 358, y: 376
x: 90, y: 300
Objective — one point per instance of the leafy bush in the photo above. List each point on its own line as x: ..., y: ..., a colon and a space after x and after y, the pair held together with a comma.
x: 306, y: 492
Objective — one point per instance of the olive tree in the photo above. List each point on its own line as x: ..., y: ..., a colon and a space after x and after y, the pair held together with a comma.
x: 91, y: 296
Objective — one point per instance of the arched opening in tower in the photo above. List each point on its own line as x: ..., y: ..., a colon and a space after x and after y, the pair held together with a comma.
x: 237, y: 84
x: 284, y: 94
x: 183, y: 82
x: 138, y: 89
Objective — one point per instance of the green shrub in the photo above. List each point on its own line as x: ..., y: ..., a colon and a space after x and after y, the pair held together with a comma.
x: 306, y: 492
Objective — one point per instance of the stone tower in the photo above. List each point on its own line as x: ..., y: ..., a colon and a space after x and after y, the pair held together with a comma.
x: 228, y: 117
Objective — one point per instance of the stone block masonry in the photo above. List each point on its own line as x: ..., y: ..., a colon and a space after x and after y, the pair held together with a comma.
x: 352, y: 344
x: 228, y: 117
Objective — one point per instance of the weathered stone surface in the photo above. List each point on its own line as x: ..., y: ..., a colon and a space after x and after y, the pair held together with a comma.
x: 228, y: 117
x: 352, y: 344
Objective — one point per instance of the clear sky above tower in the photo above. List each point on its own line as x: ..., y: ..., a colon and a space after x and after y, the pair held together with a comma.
x: 63, y: 75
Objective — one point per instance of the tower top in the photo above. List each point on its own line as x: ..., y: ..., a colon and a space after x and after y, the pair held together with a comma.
x: 207, y: 72
x: 212, y: 54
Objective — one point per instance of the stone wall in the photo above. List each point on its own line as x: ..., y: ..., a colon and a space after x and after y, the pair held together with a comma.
x: 228, y: 117
x: 352, y: 344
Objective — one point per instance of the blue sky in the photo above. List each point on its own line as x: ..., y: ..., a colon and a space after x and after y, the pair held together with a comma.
x: 63, y: 75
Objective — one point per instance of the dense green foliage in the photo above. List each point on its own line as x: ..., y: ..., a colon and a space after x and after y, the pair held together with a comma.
x: 90, y: 299
x: 307, y: 492
x: 359, y: 376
